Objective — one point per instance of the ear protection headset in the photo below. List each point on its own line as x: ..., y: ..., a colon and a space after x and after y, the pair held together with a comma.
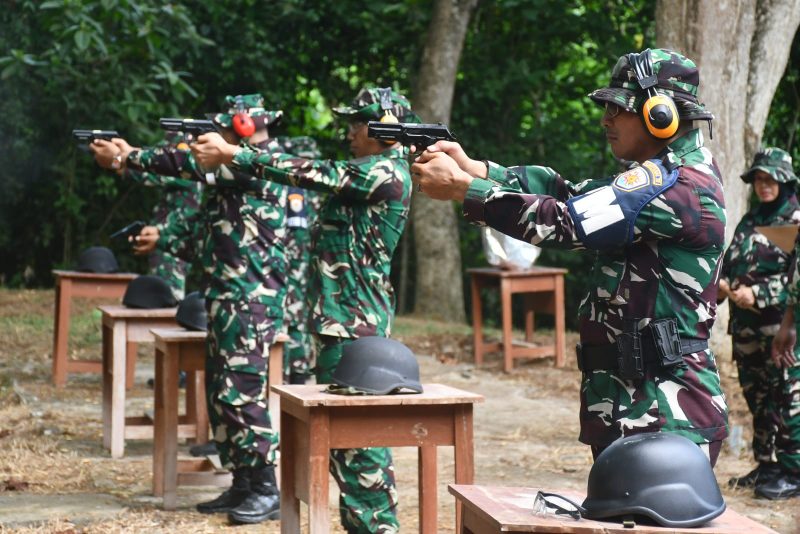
x: 385, y: 96
x: 659, y: 112
x: 243, y: 123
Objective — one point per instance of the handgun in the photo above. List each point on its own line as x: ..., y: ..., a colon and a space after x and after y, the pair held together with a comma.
x: 194, y: 127
x: 133, y: 229
x: 87, y: 136
x: 408, y: 133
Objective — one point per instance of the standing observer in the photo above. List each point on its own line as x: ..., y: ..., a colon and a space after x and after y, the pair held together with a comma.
x: 350, y: 291
x: 754, y: 278
x: 656, y: 232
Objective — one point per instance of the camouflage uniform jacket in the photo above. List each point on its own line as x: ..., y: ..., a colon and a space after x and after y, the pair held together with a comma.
x: 752, y: 260
x: 358, y: 229
x: 243, y: 253
x: 669, y: 271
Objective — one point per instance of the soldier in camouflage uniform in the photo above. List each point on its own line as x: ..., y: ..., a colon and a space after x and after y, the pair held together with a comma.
x: 302, y: 207
x: 245, y: 293
x: 786, y: 358
x: 754, y: 276
x: 179, y: 204
x: 349, y: 289
x: 657, y: 233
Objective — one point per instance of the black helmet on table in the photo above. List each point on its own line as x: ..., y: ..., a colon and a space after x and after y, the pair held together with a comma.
x: 191, y: 312
x: 148, y: 292
x: 378, y: 366
x: 662, y: 476
x: 97, y: 260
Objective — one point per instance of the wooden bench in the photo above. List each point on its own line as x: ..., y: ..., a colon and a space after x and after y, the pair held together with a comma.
x: 123, y: 329
x: 544, y: 292
x: 495, y: 509
x: 314, y: 422
x: 71, y: 285
x: 179, y: 349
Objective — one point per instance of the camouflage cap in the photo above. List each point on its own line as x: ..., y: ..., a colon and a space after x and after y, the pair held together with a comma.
x: 678, y: 78
x: 773, y: 161
x: 367, y: 106
x: 253, y: 105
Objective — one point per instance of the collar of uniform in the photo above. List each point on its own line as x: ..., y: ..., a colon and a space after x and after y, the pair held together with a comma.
x: 674, y: 153
x: 392, y: 152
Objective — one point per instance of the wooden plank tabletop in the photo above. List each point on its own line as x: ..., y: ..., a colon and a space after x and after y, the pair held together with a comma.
x: 510, y: 509
x: 95, y: 276
x: 117, y: 311
x: 178, y: 334
x: 517, y: 273
x: 314, y: 395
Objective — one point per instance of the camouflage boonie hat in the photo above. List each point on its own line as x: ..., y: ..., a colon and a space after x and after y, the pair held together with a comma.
x: 253, y: 106
x: 677, y: 77
x: 367, y: 106
x: 773, y: 161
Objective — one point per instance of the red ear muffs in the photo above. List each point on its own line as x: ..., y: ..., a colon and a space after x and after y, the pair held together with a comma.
x: 243, y: 125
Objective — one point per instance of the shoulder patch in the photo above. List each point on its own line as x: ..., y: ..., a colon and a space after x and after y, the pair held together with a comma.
x: 655, y: 172
x: 632, y: 180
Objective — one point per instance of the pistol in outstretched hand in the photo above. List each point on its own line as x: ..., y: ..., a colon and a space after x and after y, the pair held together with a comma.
x: 133, y: 229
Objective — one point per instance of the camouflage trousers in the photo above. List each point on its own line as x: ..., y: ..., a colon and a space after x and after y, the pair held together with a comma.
x: 239, y: 335
x: 760, y: 381
x: 297, y: 353
x: 787, y: 441
x: 367, y: 490
x: 172, y: 269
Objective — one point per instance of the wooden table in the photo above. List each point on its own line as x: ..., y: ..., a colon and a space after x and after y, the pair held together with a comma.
x: 544, y: 292
x: 123, y: 329
x: 495, y: 509
x: 313, y: 422
x: 74, y: 284
x: 178, y: 349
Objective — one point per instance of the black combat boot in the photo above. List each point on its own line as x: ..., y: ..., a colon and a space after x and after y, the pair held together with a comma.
x: 782, y: 487
x: 231, y: 497
x: 298, y: 378
x: 764, y: 472
x: 208, y: 448
x: 264, y: 500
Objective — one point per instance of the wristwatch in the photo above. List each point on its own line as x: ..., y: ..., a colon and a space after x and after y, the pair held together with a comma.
x: 116, y: 163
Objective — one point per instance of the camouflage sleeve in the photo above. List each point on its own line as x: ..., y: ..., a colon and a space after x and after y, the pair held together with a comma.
x: 166, y: 161
x: 516, y: 210
x: 181, y: 236
x: 530, y: 179
x: 771, y: 290
x: 359, y: 179
x: 156, y: 180
x: 793, y: 279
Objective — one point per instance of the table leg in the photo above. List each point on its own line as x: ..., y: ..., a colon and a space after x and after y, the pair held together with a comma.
x: 274, y: 378
x: 463, y: 452
x: 290, y: 504
x: 107, y: 385
x: 428, y: 488
x: 61, y: 330
x: 559, y: 320
x: 477, y: 320
x: 118, y: 371
x: 508, y: 342
x: 166, y: 421
x: 529, y: 317
x: 319, y: 460
x: 196, y: 410
x: 130, y: 362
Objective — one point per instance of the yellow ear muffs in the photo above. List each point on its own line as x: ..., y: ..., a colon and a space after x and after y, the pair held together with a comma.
x: 660, y: 116
x: 389, y: 118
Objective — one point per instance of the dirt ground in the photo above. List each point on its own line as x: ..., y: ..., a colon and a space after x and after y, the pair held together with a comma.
x: 56, y: 477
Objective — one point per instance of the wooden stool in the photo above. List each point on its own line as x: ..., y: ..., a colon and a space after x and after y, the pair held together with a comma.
x: 488, y: 509
x: 74, y: 284
x: 123, y: 328
x: 314, y: 422
x: 179, y: 349
x: 544, y: 288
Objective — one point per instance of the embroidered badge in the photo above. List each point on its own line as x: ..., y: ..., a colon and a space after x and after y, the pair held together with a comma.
x: 632, y: 180
x: 655, y: 172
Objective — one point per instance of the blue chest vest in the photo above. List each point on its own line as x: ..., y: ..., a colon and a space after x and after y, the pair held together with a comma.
x: 604, y: 218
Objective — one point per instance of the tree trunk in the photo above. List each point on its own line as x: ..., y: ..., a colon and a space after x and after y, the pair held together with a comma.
x: 741, y: 47
x: 438, y: 254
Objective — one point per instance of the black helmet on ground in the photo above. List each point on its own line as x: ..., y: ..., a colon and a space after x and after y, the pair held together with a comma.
x: 97, y: 260
x: 378, y: 366
x: 191, y: 312
x: 662, y: 476
x: 148, y: 292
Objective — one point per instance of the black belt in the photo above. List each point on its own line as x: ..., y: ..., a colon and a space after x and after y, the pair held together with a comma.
x: 592, y: 357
